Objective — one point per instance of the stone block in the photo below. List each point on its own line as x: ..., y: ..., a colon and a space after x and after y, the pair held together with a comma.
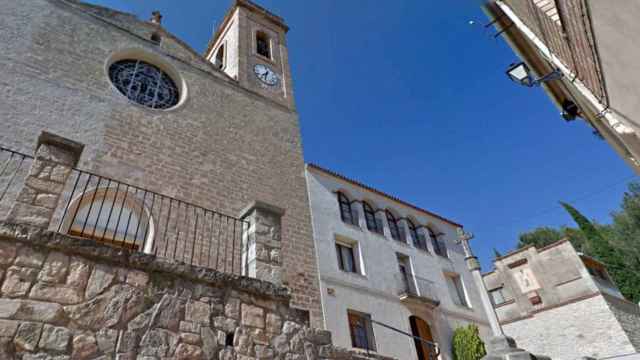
x: 8, y: 328
x: 264, y: 352
x: 120, y: 303
x: 18, y: 281
x: 187, y: 326
x: 188, y: 352
x: 22, y: 213
x: 44, y: 186
x: 280, y: 343
x: 274, y: 323
x: 55, y: 268
x: 28, y: 257
x: 232, y: 308
x: 190, y: 338
x: 84, y: 347
x: 101, y: 278
x: 8, y: 252
x: 158, y: 342
x: 198, y: 312
x: 35, y: 310
x: 60, y: 294
x: 28, y: 336
x: 27, y: 195
x: 225, y: 324
x: 252, y: 316
x: 210, y: 344
x: 107, y: 340
x: 137, y: 278
x: 49, y: 201
x: 127, y: 342
x: 79, y: 272
x: 55, y: 338
x: 60, y: 173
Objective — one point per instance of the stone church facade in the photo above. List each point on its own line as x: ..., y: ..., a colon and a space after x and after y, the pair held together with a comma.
x: 201, y: 158
x: 227, y: 142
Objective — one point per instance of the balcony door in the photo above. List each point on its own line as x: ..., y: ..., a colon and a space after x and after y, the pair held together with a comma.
x: 421, y: 329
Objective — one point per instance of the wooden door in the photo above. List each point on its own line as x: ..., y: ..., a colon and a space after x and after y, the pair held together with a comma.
x: 421, y: 329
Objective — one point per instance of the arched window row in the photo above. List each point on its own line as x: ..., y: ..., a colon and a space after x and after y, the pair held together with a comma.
x: 374, y: 223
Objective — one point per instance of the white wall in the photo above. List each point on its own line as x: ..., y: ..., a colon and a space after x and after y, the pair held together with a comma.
x: 374, y: 292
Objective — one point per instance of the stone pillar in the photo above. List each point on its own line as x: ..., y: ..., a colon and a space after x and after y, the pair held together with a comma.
x: 500, y: 346
x: 55, y: 157
x: 261, y: 242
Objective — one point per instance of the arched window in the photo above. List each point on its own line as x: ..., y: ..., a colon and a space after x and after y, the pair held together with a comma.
x: 347, y: 213
x: 439, y: 247
x: 263, y: 44
x: 370, y: 217
x: 394, y: 227
x: 113, y: 217
x: 413, y: 232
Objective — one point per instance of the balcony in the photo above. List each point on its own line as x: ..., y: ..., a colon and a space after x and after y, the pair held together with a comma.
x: 47, y: 191
x: 414, y: 290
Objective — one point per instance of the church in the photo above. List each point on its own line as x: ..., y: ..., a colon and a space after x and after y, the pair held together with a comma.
x: 153, y: 200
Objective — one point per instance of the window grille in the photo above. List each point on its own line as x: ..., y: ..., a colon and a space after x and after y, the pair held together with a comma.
x: 144, y: 84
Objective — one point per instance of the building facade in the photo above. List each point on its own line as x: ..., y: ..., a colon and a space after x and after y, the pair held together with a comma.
x: 386, y: 265
x: 178, y: 132
x: 561, y: 303
x: 590, y: 43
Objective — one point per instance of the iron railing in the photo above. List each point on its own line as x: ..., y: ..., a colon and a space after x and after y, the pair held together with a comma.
x: 415, y: 286
x: 14, y: 167
x: 123, y: 215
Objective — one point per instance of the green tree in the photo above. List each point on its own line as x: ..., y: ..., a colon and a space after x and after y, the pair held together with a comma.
x: 544, y: 236
x: 467, y: 344
x: 625, y: 277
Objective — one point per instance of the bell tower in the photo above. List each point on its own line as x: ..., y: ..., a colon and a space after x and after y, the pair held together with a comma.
x: 250, y: 47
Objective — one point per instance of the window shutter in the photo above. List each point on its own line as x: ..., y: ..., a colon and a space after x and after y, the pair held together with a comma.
x: 403, y: 234
x: 355, y: 216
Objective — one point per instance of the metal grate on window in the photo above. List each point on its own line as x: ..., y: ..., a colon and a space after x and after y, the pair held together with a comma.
x: 144, y: 84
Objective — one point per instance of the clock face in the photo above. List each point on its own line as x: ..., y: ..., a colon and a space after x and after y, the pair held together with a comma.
x: 266, y: 75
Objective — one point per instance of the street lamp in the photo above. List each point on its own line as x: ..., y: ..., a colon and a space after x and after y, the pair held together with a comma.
x: 521, y: 74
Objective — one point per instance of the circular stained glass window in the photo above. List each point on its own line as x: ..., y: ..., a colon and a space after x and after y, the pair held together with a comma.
x: 144, y: 84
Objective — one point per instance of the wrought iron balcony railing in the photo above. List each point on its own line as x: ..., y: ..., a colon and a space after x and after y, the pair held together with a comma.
x: 118, y: 214
x: 410, y: 287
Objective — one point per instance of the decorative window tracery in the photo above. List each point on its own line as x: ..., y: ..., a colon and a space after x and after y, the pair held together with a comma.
x: 144, y: 84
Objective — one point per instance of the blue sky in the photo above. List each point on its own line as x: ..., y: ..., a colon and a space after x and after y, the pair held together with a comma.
x: 409, y: 97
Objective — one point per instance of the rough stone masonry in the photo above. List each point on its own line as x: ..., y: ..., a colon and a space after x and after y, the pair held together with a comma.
x: 68, y: 298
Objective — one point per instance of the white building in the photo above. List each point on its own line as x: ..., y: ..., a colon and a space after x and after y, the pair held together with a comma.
x: 386, y: 260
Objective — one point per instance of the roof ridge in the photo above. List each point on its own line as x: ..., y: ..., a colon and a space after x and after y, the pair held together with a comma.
x: 381, y: 193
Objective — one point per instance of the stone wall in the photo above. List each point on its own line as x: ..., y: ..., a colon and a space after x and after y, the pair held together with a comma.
x: 68, y: 298
x: 222, y: 148
x: 628, y: 314
x: 584, y: 328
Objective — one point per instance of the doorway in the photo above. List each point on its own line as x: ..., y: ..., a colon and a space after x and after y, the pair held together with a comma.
x: 421, y: 329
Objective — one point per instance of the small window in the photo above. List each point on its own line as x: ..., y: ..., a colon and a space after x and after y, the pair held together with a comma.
x: 346, y: 258
x: 456, y: 288
x: 219, y: 60
x: 361, y: 331
x: 347, y: 213
x: 439, y: 246
x: 418, y: 239
x: 370, y: 216
x: 497, y: 296
x: 263, y: 45
x: 394, y: 227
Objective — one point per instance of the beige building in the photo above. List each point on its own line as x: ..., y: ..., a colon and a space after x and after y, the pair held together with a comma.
x: 561, y: 303
x: 593, y: 45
